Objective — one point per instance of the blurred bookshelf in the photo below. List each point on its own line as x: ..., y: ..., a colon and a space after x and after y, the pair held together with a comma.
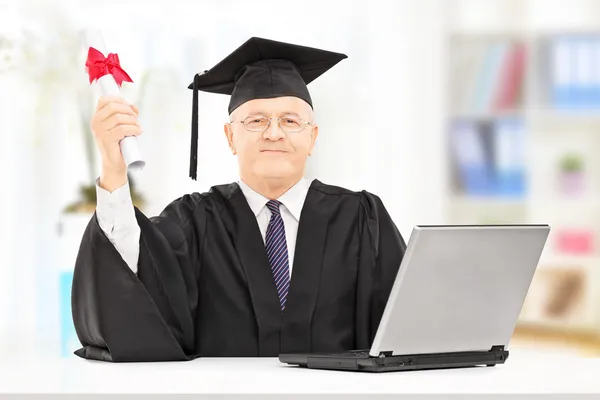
x: 523, y: 145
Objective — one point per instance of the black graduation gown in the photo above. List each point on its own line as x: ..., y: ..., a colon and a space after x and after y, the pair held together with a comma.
x: 204, y: 286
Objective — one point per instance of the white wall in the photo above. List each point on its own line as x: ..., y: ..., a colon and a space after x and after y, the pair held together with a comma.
x: 406, y: 55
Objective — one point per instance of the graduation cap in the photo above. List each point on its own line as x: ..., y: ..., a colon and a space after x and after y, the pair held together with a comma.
x: 260, y: 69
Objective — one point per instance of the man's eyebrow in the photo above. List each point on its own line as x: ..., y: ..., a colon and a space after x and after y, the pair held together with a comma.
x: 290, y: 113
x: 252, y: 114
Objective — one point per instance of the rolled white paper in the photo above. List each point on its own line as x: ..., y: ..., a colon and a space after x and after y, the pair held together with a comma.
x: 108, y: 87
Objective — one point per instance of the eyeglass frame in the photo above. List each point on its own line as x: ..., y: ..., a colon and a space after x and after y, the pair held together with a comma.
x: 305, y: 123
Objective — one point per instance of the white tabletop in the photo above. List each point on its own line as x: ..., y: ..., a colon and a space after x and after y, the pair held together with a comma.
x: 524, y: 372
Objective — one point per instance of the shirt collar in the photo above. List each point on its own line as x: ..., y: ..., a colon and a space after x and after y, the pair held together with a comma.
x: 293, y: 199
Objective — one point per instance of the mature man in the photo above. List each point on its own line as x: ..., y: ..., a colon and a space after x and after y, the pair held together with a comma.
x: 273, y: 263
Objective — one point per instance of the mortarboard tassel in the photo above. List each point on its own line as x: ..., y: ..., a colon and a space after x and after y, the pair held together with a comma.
x: 194, y: 145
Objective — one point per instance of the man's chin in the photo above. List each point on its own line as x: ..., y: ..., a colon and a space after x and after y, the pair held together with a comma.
x: 274, y: 170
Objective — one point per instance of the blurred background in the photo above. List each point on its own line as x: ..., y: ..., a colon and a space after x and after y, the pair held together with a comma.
x: 472, y: 111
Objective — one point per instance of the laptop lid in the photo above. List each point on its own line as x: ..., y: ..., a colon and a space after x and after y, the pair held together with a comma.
x: 459, y: 288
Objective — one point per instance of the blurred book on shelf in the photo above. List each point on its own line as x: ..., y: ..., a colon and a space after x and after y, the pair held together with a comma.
x: 575, y: 241
x: 487, y: 77
x: 488, y: 157
x: 574, y: 63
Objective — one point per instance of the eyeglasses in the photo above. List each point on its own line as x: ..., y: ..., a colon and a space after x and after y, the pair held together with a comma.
x: 260, y: 123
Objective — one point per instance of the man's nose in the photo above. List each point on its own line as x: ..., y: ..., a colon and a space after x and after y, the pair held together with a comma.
x: 273, y: 132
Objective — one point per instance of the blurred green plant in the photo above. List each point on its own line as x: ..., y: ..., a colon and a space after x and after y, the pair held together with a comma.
x: 7, y: 53
x: 86, y: 203
x: 571, y: 162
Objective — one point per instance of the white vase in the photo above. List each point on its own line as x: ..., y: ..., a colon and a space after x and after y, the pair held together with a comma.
x: 571, y: 183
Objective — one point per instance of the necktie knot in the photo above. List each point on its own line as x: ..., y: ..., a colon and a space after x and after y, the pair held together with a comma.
x: 273, y: 206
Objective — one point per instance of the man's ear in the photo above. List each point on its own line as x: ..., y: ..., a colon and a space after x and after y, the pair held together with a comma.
x: 313, y: 139
x: 229, y: 135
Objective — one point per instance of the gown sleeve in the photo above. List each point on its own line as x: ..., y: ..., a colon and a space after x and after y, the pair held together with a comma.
x: 382, y: 248
x: 120, y: 316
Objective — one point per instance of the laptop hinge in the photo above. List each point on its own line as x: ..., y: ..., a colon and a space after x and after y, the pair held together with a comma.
x: 495, y: 349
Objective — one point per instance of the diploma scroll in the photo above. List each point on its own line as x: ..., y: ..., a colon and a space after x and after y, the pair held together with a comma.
x: 108, y: 77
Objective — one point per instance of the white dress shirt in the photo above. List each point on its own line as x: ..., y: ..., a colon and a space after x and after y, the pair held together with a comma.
x: 116, y: 217
x: 292, y: 202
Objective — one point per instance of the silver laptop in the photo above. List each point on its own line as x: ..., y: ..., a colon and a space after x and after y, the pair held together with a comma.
x: 454, y: 303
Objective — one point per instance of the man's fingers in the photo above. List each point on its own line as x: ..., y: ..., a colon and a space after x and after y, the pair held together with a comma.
x: 114, y: 108
x: 104, y: 100
x: 119, y: 119
x: 121, y: 131
x: 135, y: 109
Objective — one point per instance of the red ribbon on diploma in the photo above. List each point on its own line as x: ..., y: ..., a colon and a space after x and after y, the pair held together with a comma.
x: 98, y: 66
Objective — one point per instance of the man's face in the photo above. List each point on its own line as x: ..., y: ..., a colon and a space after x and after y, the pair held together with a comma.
x: 272, y: 153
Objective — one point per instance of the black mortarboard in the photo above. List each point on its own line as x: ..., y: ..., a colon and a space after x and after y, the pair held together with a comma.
x: 260, y: 69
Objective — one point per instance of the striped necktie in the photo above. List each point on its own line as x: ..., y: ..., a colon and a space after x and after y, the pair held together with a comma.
x: 277, y: 252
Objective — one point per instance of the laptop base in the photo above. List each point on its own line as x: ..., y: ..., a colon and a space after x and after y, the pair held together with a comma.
x: 361, y: 361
